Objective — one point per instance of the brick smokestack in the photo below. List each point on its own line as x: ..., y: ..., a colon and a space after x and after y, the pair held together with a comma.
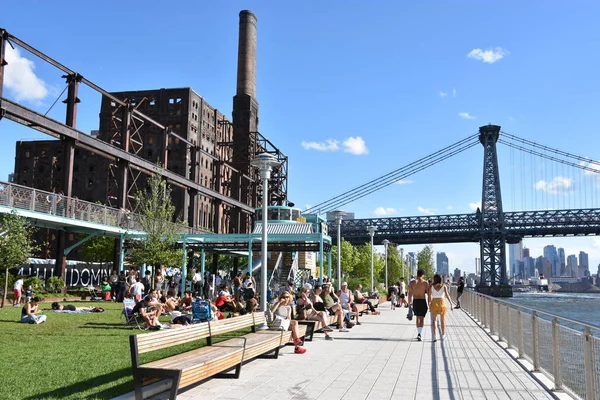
x: 245, y: 123
x: 246, y: 71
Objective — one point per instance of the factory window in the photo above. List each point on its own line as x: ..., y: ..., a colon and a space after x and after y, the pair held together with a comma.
x: 152, y: 102
x: 25, y: 183
x: 90, y: 183
x: 43, y: 153
x: 170, y: 139
x: 176, y: 140
x: 27, y: 154
x: 71, y: 237
x: 171, y: 101
x: 150, y: 140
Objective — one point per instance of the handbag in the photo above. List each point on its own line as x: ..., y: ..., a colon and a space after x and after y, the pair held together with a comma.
x: 280, y: 324
x: 409, y: 315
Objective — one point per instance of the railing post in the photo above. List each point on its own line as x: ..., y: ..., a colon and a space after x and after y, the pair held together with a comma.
x: 556, y: 353
x: 10, y: 201
x: 507, y: 324
x: 591, y: 370
x: 33, y: 194
x: 536, y: 341
x: 104, y: 216
x: 520, y: 337
x: 492, y: 324
x: 485, y: 313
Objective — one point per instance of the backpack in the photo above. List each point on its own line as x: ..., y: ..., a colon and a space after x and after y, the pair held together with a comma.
x: 201, y: 311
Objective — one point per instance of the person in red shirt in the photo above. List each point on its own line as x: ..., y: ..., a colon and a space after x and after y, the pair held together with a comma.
x: 224, y: 302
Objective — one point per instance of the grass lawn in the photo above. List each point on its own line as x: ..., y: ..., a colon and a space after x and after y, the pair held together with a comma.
x: 70, y: 356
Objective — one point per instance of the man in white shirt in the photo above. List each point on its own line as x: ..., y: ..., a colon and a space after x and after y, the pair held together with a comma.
x: 347, y: 301
x: 17, y: 292
x: 137, y: 289
x: 197, y: 282
x: 402, y: 290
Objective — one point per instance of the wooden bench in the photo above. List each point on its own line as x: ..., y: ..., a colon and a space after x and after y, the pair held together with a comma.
x: 313, y: 326
x: 363, y: 307
x: 212, y: 360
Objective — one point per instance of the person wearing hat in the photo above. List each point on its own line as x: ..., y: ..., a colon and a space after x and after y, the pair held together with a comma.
x: 347, y: 301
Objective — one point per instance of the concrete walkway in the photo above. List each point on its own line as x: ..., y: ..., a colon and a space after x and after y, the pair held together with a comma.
x: 381, y: 359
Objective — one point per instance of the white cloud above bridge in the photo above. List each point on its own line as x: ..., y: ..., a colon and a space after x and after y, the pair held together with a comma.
x: 428, y: 211
x: 20, y: 77
x: 386, y: 211
x: 558, y: 184
x: 475, y: 206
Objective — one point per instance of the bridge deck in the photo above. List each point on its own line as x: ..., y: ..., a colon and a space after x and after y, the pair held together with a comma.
x: 382, y: 360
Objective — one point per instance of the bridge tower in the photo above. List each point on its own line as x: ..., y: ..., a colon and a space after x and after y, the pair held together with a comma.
x: 493, y: 279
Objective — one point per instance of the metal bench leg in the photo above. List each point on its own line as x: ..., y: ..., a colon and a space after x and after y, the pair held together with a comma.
x: 273, y: 354
x: 228, y: 375
x: 137, y: 380
x: 174, y: 386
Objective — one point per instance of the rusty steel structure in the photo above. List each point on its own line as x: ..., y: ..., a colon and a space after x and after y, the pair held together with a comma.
x: 203, y: 156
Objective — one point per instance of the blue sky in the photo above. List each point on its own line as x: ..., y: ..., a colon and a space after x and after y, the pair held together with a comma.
x: 387, y: 82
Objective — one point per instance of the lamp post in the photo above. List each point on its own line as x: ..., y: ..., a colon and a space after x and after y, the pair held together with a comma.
x: 385, y: 246
x: 371, y: 230
x: 265, y: 163
x: 403, y: 264
x: 339, y: 214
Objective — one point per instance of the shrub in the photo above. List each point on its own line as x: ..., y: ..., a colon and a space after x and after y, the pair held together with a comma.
x: 11, y: 281
x: 36, y: 284
x: 54, y: 284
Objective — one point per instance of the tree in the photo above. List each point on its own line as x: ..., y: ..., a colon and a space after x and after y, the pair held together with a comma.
x: 394, y: 266
x: 16, y: 244
x: 362, y: 267
x: 348, y: 260
x: 425, y: 261
x: 159, y: 246
x: 99, y: 249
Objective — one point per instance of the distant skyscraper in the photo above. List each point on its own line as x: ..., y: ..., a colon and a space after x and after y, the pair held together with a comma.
x: 551, y: 255
x: 442, y: 264
x: 572, y: 265
x: 528, y: 267
x: 561, y: 261
x: 583, y: 259
x: 515, y: 254
x: 526, y: 252
x: 412, y: 263
x: 457, y: 274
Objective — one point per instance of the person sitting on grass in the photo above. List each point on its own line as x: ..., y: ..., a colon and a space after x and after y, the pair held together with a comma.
x: 224, y: 302
x: 282, y: 320
x: 148, y: 311
x: 29, y: 312
x: 170, y: 302
x: 251, y: 303
x: 186, y: 300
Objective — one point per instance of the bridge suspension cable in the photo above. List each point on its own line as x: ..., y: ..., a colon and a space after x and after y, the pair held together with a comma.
x: 394, y: 176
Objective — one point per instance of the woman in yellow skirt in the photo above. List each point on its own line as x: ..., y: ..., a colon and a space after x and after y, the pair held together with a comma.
x: 437, y: 304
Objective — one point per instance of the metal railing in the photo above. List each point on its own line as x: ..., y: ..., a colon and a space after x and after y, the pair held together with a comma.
x: 26, y: 198
x: 567, y: 351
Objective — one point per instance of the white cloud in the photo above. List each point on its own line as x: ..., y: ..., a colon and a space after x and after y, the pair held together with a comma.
x: 453, y: 92
x: 475, y: 206
x: 489, y: 56
x: 403, y: 182
x: 557, y: 185
x: 592, y: 166
x: 355, y: 145
x: 511, y: 119
x: 449, y: 208
x: 21, y: 79
x: 383, y: 211
x: 307, y: 207
x: 466, y: 115
x: 426, y: 210
x: 443, y: 94
x: 328, y: 145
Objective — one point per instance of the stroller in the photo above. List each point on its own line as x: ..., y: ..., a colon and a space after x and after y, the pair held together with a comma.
x: 94, y: 296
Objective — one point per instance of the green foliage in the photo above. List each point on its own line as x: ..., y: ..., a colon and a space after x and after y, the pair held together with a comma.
x: 11, y: 279
x: 54, y: 284
x: 362, y: 266
x: 159, y: 247
x: 16, y: 245
x: 99, y: 249
x: 348, y: 260
x: 395, y: 265
x: 35, y: 283
x: 425, y: 261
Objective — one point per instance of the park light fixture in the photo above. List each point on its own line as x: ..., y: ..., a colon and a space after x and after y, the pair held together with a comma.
x: 265, y: 162
x: 339, y: 214
x: 385, y: 246
x: 371, y: 229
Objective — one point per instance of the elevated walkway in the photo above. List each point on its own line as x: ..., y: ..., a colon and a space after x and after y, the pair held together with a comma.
x: 381, y: 359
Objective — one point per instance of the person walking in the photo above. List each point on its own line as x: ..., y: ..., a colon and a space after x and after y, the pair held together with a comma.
x: 417, y: 292
x: 402, y: 290
x: 438, y: 292
x: 459, y: 290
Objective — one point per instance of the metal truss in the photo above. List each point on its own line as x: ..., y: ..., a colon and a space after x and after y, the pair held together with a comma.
x: 464, y: 228
x: 256, y: 247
